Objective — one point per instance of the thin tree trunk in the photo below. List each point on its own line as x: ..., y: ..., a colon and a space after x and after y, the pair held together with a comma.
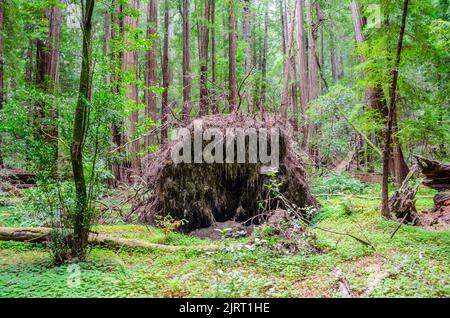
x: 287, y: 66
x: 203, y: 58
x: 130, y: 63
x: 333, y: 55
x: 214, y: 106
x: 303, y: 70
x: 247, y: 34
x: 232, y: 59
x: 263, y: 92
x: 151, y: 69
x: 295, y: 86
x: 117, y: 134
x: 312, y: 52
x: 320, y: 36
x: 166, y: 76
x: 391, y: 116
x: 81, y: 220
x: 47, y: 79
x: 375, y: 100
x: 187, y: 80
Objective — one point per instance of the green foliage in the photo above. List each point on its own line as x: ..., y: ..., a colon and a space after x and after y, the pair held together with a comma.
x: 337, y: 184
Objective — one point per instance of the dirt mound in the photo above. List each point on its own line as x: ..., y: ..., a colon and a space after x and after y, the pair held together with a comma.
x: 207, y: 193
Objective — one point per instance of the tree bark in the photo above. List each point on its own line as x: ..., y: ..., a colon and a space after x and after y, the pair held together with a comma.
x: 287, y: 66
x: 117, y: 135
x: 80, y: 127
x: 247, y: 34
x: 187, y: 80
x: 130, y: 63
x: 214, y: 106
x: 151, y: 69
x: 303, y: 70
x: 166, y: 77
x: 47, y: 79
x: 391, y: 115
x: 232, y: 59
x: 263, y: 84
x: 42, y: 235
x: 203, y: 58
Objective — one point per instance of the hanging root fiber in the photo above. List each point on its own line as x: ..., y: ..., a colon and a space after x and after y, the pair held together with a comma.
x: 204, y: 193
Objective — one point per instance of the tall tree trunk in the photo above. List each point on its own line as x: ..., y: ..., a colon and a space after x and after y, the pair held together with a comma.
x: 232, y: 59
x: 312, y: 53
x: 263, y: 84
x: 287, y: 67
x: 2, y: 89
x: 203, y: 58
x: 81, y: 219
x: 166, y: 76
x: 247, y: 34
x: 303, y: 70
x: 47, y: 79
x: 130, y: 63
x: 283, y: 26
x: 187, y: 79
x: 333, y: 53
x: 319, y: 28
x: 295, y: 86
x: 214, y: 106
x: 151, y: 69
x: 391, y: 116
x: 375, y: 100
x: 117, y: 135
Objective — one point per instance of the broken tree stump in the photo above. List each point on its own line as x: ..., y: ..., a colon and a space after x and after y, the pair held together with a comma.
x: 437, y: 176
x: 403, y: 202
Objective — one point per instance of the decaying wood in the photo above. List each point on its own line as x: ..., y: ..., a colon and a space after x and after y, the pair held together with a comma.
x: 403, y: 203
x: 437, y: 174
x: 42, y: 235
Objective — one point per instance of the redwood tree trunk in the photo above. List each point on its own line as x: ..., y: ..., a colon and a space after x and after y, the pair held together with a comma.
x: 151, y: 69
x: 391, y: 116
x: 203, y: 57
x: 117, y: 134
x: 303, y: 70
x: 232, y: 59
x: 130, y: 63
x: 247, y: 34
x: 263, y: 84
x: 166, y: 76
x: 214, y: 106
x: 187, y: 80
x: 47, y: 79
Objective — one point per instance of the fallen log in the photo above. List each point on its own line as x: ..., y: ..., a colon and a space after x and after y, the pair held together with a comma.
x: 42, y: 235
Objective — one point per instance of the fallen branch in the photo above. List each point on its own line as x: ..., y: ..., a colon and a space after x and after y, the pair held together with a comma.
x: 42, y: 235
x: 344, y: 286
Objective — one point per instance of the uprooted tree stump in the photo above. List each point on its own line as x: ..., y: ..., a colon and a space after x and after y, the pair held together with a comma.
x: 437, y: 176
x: 402, y: 204
x: 205, y: 193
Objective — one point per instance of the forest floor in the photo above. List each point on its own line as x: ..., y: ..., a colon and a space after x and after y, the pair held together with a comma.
x: 415, y: 263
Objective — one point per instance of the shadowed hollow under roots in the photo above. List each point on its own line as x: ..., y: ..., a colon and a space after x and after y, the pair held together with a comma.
x: 204, y: 193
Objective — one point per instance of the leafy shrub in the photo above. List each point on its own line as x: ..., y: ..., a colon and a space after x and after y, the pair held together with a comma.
x: 337, y: 184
